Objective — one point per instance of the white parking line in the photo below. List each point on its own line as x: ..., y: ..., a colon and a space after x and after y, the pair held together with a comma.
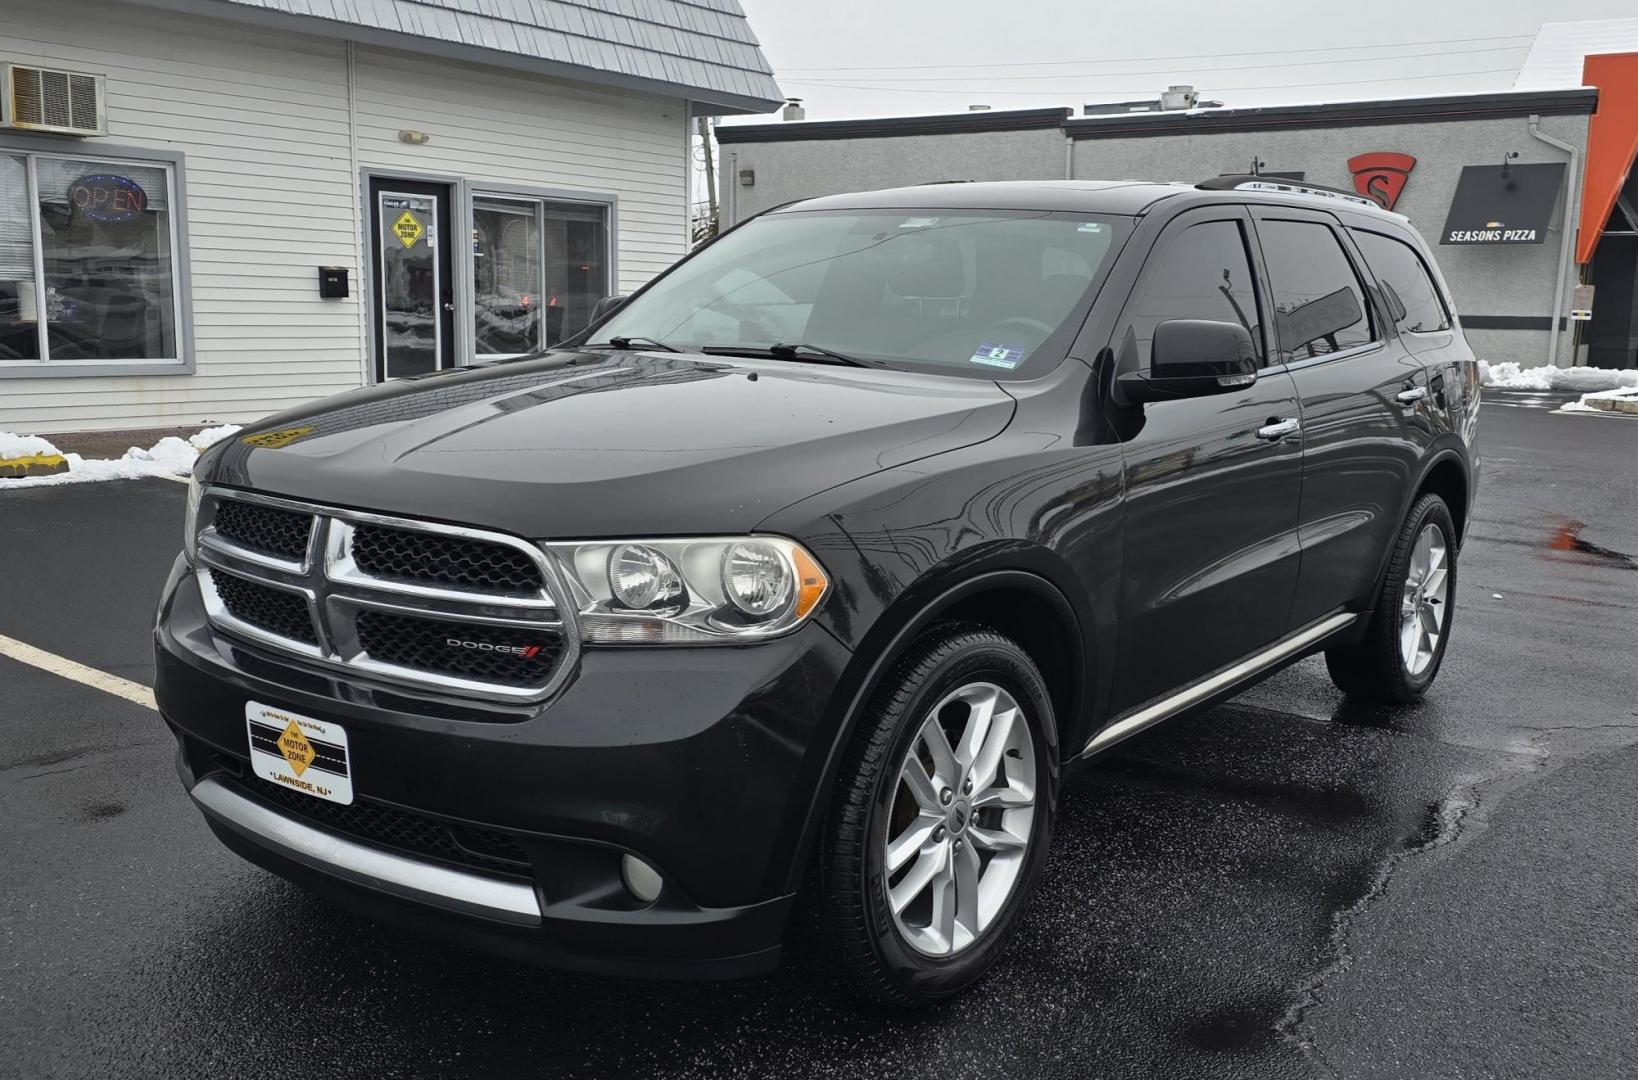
x: 69, y: 669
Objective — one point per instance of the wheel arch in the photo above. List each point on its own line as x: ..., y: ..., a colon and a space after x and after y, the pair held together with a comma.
x: 1024, y: 604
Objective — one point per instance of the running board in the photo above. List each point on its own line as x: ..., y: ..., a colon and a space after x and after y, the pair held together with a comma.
x: 1215, y: 684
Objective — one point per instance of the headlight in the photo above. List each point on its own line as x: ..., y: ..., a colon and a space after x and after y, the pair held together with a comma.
x: 681, y: 592
x: 190, y: 520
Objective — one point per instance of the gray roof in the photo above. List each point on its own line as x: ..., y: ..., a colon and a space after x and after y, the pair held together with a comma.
x: 700, y: 49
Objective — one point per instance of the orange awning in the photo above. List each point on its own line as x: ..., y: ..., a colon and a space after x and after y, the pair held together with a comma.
x: 1612, y: 141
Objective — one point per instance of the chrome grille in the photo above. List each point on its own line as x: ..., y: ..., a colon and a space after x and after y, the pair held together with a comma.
x: 443, y: 561
x: 276, y: 611
x: 267, y: 529
x: 460, y: 610
x: 499, y: 654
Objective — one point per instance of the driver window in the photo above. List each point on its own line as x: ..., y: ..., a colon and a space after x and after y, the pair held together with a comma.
x: 1202, y: 273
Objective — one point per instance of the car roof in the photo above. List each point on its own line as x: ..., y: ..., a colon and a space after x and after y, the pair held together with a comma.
x: 1130, y: 197
x: 1086, y: 196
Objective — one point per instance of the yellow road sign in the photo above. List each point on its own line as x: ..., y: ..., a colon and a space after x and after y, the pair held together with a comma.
x: 296, y: 749
x: 408, y: 229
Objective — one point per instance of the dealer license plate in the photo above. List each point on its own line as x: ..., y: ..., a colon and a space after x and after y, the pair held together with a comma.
x: 300, y: 753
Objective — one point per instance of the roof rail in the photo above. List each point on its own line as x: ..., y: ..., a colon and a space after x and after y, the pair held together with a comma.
x: 1276, y: 185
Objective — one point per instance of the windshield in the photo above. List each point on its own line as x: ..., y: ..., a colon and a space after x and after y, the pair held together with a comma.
x: 973, y: 292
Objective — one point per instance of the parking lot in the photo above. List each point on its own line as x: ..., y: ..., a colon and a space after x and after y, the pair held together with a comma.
x: 1285, y: 886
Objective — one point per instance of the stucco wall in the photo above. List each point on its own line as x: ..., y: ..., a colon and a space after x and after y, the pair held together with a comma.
x: 801, y: 170
x: 1485, y: 279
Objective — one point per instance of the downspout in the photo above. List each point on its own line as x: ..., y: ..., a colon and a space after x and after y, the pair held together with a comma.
x: 1069, y: 156
x: 1567, y: 243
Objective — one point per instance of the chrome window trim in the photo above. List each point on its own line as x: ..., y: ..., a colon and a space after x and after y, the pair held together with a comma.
x: 335, y: 590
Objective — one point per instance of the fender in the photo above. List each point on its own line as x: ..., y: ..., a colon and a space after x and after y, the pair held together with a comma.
x: 1447, y: 447
x: 881, y: 647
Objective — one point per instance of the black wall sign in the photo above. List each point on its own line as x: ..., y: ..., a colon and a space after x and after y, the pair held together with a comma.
x: 1503, y: 204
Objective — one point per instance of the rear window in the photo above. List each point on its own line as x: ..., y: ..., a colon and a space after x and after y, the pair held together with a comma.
x: 1407, y: 286
x: 1318, y: 303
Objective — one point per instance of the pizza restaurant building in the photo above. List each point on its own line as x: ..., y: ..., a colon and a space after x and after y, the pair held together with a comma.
x: 211, y: 210
x: 1522, y: 195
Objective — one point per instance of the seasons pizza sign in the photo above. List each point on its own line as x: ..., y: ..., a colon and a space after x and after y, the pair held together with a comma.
x: 1503, y: 204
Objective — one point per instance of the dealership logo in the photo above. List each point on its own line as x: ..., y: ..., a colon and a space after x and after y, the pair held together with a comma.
x: 1381, y: 176
x: 524, y: 652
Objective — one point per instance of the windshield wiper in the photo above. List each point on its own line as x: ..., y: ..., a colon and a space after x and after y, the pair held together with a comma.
x: 624, y: 343
x: 783, y: 351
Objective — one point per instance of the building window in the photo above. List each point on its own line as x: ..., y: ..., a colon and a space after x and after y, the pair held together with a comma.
x: 88, y: 261
x: 539, y: 267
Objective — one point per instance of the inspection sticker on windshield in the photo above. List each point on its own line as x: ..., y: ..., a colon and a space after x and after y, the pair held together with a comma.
x: 918, y: 223
x: 1004, y: 356
x: 300, y: 753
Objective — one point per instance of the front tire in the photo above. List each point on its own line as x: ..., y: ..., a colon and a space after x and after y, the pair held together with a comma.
x: 942, y: 817
x: 1405, y: 642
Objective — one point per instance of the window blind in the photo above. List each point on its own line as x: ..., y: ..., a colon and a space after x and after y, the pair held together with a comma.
x: 16, y: 221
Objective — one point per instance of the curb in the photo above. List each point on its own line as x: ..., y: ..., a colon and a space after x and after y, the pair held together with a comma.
x: 32, y: 465
x: 1616, y: 405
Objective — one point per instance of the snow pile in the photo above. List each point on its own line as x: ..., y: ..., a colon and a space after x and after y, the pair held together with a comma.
x: 1624, y: 393
x: 1509, y: 375
x: 21, y: 446
x: 170, y: 456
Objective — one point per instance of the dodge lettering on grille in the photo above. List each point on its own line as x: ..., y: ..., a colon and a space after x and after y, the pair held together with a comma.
x: 527, y: 652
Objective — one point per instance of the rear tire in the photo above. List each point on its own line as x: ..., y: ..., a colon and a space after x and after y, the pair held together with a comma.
x: 971, y: 814
x: 1405, y: 642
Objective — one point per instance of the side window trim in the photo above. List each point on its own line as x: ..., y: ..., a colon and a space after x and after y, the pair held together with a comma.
x: 1162, y: 246
x: 1437, y: 290
x: 1356, y: 263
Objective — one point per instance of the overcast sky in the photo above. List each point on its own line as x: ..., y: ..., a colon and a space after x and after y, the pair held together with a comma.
x: 920, y: 56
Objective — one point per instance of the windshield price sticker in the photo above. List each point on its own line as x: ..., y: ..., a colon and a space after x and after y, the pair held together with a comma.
x: 918, y: 223
x: 1001, y: 356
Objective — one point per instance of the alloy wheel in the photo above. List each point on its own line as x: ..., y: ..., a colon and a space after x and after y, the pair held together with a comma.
x: 1423, y: 605
x: 960, y: 819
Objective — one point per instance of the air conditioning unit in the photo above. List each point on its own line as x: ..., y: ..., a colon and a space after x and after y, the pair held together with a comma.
x: 58, y: 102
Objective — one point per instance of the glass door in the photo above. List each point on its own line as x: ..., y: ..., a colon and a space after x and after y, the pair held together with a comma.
x: 413, y: 278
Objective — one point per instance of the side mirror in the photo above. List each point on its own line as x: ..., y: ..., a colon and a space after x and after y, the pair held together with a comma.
x: 1193, y: 358
x: 606, y: 306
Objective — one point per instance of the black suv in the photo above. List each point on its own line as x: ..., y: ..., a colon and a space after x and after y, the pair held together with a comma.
x: 808, y: 568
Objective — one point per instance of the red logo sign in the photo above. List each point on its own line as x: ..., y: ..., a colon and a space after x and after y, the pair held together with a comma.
x: 1381, y: 176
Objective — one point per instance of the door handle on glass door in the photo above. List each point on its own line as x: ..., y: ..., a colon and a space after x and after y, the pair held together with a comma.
x: 1277, y: 429
x: 1411, y: 396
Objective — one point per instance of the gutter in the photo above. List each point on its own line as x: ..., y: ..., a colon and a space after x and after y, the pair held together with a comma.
x: 1566, y: 240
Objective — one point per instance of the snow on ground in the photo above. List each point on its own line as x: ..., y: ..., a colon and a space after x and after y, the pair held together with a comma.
x: 1624, y: 393
x: 1508, y: 375
x: 170, y: 456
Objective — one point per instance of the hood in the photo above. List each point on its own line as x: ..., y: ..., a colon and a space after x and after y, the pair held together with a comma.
x: 573, y: 445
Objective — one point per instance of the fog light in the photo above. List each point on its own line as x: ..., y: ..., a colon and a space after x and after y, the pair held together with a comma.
x: 641, y: 879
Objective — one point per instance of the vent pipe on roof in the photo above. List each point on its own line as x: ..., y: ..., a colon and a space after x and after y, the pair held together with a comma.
x: 1178, y: 97
x: 794, y: 109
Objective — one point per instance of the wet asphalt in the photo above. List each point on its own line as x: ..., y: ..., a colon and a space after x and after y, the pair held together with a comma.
x: 1285, y: 886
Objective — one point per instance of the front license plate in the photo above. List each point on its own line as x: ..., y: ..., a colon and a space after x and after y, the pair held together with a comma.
x: 300, y: 753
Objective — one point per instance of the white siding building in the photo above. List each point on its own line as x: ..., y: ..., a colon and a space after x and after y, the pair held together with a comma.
x: 480, y: 181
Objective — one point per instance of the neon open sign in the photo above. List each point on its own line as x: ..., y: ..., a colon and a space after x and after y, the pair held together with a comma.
x: 108, y: 198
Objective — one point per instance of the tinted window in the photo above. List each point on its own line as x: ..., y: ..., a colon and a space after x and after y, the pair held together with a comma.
x: 1318, y: 303
x: 974, y: 292
x: 1406, y: 284
x: 1204, y: 273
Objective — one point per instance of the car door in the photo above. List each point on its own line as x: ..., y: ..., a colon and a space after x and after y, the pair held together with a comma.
x: 1360, y: 390
x: 1212, y: 483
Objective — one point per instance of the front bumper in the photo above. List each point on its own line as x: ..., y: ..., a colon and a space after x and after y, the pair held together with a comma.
x: 703, y: 762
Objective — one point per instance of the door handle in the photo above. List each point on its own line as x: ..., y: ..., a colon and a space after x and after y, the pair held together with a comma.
x: 1411, y: 396
x: 1277, y: 429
